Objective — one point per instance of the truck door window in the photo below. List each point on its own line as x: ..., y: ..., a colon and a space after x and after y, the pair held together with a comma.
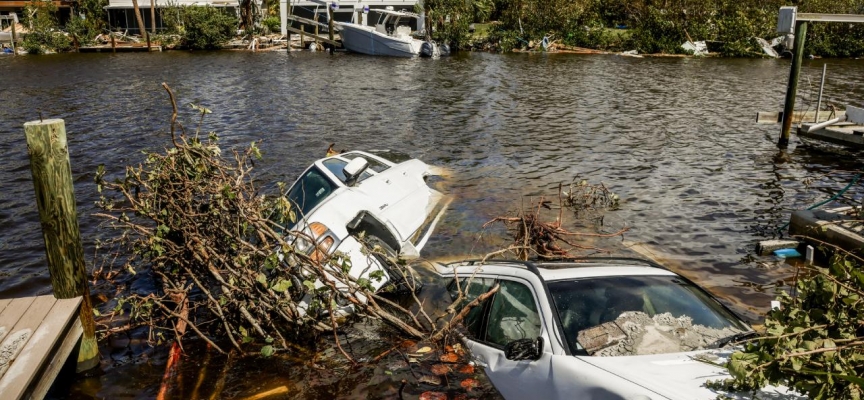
x: 471, y: 288
x: 513, y: 314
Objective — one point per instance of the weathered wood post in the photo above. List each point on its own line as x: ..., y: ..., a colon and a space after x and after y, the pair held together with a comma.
x: 792, y: 86
x: 316, y: 30
x: 14, y: 37
x: 330, y: 26
x: 153, y: 16
x: 55, y: 198
x: 302, y: 31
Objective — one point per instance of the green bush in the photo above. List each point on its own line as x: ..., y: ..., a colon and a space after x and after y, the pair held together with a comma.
x: 43, y: 37
x: 661, y: 27
x: 200, y: 27
x: 273, y: 24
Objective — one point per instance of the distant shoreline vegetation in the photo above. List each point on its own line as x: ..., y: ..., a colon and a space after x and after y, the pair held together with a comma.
x: 646, y: 26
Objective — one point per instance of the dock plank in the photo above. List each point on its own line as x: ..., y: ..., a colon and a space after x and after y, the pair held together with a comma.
x: 3, y: 304
x: 21, y: 371
x: 42, y: 353
x: 70, y: 343
x: 12, y: 313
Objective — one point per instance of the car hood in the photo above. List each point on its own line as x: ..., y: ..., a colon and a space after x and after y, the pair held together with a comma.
x: 678, y: 375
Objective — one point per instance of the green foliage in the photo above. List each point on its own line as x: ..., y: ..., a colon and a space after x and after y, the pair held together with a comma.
x: 661, y: 27
x: 450, y: 19
x: 273, y: 23
x: 87, y: 20
x: 44, y: 37
x: 200, y: 27
x: 814, y: 343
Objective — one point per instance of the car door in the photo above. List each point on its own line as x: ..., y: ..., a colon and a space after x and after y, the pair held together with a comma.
x: 512, y: 315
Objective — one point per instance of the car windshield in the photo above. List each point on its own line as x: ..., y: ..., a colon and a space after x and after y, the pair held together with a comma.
x: 637, y: 315
x: 309, y: 191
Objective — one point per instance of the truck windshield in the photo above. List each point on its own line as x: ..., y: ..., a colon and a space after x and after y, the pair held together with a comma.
x: 309, y: 191
x: 615, y: 315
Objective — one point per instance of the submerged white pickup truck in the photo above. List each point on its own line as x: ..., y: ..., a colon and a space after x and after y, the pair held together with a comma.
x: 382, y: 196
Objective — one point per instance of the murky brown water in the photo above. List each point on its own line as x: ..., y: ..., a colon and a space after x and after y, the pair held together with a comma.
x: 700, y: 182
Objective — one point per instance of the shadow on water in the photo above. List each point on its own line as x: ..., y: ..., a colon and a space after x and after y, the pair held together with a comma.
x: 700, y: 182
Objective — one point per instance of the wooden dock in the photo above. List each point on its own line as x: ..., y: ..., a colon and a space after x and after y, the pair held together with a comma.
x: 848, y: 134
x: 37, y: 335
x: 841, y: 227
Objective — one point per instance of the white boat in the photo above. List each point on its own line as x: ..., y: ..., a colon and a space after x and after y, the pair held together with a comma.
x: 391, y: 36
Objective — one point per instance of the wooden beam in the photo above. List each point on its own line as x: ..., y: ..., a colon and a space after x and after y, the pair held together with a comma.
x: 306, y: 21
x: 850, y: 18
x: 22, y: 4
x: 773, y: 117
x: 323, y: 39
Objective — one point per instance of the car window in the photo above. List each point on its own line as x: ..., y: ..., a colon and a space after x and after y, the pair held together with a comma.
x: 374, y: 164
x: 513, y: 314
x: 309, y: 191
x: 471, y: 289
x: 336, y: 167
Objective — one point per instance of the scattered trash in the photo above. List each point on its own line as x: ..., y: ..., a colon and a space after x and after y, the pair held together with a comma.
x: 767, y: 47
x: 698, y: 48
x: 787, y: 253
x: 767, y: 246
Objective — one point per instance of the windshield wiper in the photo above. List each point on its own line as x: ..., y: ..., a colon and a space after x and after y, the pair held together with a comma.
x: 731, y: 338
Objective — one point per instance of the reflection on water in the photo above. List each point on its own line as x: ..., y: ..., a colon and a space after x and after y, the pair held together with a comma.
x: 700, y: 182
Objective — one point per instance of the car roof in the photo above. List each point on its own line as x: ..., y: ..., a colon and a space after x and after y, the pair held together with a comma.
x: 598, y: 270
x: 564, y: 270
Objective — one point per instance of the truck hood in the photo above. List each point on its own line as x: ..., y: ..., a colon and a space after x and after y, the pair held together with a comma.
x: 679, y: 375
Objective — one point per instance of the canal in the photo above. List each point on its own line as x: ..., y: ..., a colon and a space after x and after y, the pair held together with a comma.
x: 700, y: 183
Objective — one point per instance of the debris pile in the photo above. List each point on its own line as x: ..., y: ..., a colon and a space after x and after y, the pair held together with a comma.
x: 636, y: 333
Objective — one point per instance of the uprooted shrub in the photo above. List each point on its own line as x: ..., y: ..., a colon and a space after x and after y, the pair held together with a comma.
x: 534, y: 236
x: 224, y: 264
x: 814, y: 342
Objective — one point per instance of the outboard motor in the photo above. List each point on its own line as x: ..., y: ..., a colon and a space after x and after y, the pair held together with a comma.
x: 444, y: 50
x: 427, y: 49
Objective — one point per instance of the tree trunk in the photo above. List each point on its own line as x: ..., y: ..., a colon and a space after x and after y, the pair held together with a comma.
x: 141, y: 28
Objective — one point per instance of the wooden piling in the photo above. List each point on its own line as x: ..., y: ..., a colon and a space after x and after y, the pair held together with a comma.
x: 55, y: 199
x: 113, y: 44
x: 792, y: 86
x: 302, y: 32
x: 14, y: 38
x: 330, y: 26
x: 316, y: 29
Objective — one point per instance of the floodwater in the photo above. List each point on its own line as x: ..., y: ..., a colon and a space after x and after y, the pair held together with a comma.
x: 700, y: 183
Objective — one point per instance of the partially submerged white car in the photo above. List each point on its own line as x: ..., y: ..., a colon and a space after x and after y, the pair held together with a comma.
x: 598, y: 328
x: 382, y: 196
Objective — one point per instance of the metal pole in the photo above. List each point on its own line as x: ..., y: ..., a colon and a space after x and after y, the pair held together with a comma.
x: 792, y: 87
x: 821, y: 88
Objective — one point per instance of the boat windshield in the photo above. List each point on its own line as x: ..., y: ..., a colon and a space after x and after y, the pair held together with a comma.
x: 617, y: 315
x: 309, y: 191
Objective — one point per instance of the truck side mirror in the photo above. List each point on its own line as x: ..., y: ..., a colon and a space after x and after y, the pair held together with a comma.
x: 354, y: 169
x: 524, y: 349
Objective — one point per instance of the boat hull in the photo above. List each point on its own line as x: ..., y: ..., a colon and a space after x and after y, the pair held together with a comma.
x: 365, y: 40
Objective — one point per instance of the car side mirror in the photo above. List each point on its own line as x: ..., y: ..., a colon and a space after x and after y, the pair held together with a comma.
x: 524, y: 349
x: 354, y: 169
